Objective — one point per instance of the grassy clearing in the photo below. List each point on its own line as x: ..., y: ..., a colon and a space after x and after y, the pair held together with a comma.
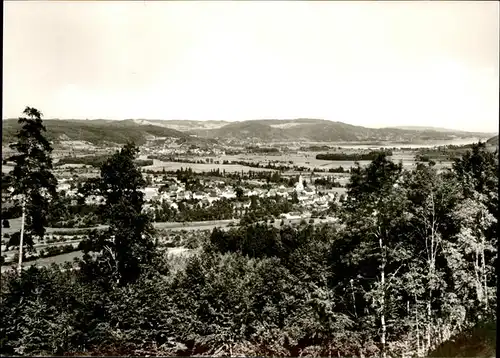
x: 7, y: 168
x: 169, y: 166
x: 177, y: 254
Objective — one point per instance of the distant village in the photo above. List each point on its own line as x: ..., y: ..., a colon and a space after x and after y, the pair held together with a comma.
x: 168, y: 190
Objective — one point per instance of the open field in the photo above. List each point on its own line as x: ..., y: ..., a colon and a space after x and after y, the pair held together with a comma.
x: 308, y: 160
x: 196, y: 225
x: 47, y: 261
x: 6, y: 168
x: 70, y: 256
x: 209, y: 225
x: 15, y: 225
x: 390, y: 144
x: 170, y: 166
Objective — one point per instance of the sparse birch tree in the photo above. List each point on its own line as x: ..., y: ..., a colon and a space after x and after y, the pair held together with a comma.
x: 375, y: 249
x: 433, y: 197
x: 474, y: 251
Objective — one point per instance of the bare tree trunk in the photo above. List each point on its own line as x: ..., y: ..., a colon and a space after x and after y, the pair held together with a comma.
x: 382, y: 299
x: 418, y: 328
x: 478, y: 283
x: 115, y: 262
x: 21, y: 241
x: 408, y: 338
x: 431, y: 261
x: 485, y: 277
x: 429, y: 316
x: 354, y: 300
x: 429, y: 300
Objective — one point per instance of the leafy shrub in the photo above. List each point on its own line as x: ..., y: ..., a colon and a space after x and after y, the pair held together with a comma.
x: 12, y: 212
x: 15, y: 239
x: 58, y: 250
x: 353, y: 157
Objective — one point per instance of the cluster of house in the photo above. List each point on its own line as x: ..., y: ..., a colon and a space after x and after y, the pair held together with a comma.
x: 70, y: 190
x: 178, y: 149
x: 310, y: 198
x: 175, y: 191
x: 307, y: 196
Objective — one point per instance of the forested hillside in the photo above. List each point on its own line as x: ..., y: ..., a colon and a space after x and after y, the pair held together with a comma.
x: 493, y: 141
x: 324, y: 131
x: 95, y: 131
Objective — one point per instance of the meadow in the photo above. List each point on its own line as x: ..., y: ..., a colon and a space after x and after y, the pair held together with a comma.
x: 308, y: 159
x: 171, y: 166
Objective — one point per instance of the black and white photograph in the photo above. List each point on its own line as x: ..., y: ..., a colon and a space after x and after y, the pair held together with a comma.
x: 249, y: 178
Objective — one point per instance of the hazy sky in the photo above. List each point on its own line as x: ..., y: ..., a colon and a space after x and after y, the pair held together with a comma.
x: 365, y: 63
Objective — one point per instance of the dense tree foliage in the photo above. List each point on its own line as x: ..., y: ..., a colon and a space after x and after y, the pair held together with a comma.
x: 96, y: 160
x: 65, y: 212
x: 219, y: 210
x: 327, y: 182
x: 127, y: 246
x: 355, y: 156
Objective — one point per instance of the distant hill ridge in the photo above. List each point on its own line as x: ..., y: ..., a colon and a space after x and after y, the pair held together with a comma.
x: 424, y: 128
x: 493, y: 141
x: 319, y: 130
x: 95, y: 131
x: 265, y: 130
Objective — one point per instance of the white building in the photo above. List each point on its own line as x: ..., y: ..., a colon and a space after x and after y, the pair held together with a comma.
x: 228, y: 194
x: 250, y: 193
x: 299, y: 187
x: 71, y: 192
x: 149, y: 193
x: 198, y: 195
x: 63, y: 186
x: 94, y: 199
x: 174, y: 206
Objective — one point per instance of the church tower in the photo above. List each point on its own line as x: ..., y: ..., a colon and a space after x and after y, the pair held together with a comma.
x: 300, y: 185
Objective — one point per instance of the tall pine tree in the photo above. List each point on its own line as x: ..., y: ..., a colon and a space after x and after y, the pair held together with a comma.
x: 32, y: 179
